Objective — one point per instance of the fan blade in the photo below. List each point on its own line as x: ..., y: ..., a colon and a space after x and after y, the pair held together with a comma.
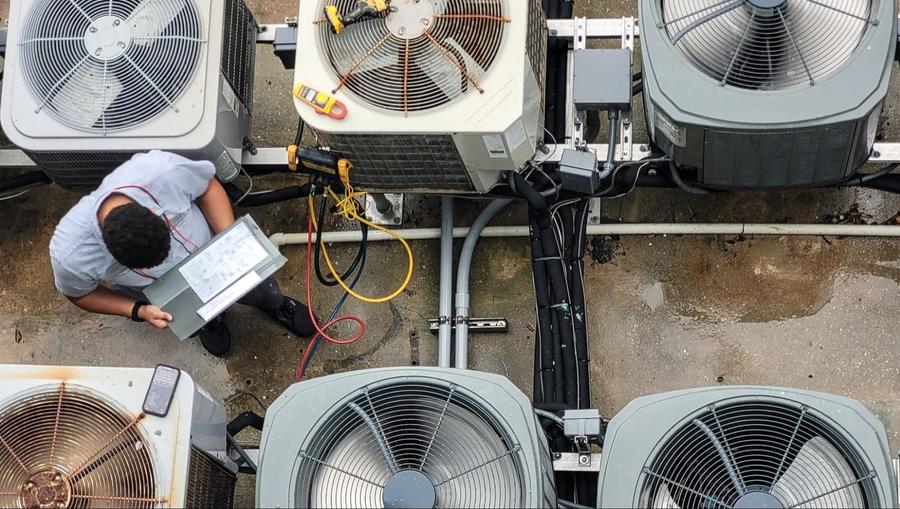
x: 663, y: 498
x: 352, y: 473
x: 818, y: 468
x: 447, y: 75
x: 352, y: 51
x: 470, y: 465
x: 811, y: 24
x: 720, y: 34
x: 151, y: 17
x: 86, y: 95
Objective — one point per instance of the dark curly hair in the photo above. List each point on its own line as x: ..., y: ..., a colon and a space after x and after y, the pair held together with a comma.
x: 136, y: 237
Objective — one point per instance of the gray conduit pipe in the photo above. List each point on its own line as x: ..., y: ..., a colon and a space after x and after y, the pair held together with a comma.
x: 462, y: 280
x: 445, y: 310
x: 816, y: 230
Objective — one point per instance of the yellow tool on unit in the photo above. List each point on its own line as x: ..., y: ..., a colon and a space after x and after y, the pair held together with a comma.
x: 324, y: 104
x: 365, y: 9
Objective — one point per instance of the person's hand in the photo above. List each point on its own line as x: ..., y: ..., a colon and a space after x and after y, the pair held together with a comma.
x: 155, y: 316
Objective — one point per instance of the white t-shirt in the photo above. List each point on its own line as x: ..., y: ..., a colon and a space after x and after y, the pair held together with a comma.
x: 162, y: 182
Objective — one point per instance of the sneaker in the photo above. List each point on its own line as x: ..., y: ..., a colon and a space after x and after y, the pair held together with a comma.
x: 215, y: 337
x: 295, y: 317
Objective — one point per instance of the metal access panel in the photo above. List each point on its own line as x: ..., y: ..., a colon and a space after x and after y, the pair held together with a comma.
x: 602, y: 79
x: 216, y: 276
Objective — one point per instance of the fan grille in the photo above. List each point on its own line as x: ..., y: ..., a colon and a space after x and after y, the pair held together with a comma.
x: 767, y: 44
x: 735, y: 453
x: 409, y: 429
x: 60, y: 446
x: 102, y: 66
x: 420, y: 56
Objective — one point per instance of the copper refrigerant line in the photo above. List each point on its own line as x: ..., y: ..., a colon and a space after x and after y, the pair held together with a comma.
x: 78, y: 473
x: 431, y: 39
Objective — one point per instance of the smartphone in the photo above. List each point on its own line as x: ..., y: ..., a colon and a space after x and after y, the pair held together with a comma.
x: 162, y: 390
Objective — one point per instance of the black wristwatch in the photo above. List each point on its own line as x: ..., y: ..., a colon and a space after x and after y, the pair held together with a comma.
x: 136, y: 309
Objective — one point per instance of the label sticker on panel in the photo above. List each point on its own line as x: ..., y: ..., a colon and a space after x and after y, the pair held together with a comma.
x: 495, y: 146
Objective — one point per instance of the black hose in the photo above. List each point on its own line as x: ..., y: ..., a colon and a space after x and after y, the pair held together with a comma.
x: 25, y: 180
x: 863, y: 179
x: 269, y: 197
x: 535, y: 199
x: 552, y: 407
x: 610, y: 164
x: 545, y: 391
x: 591, y: 126
x: 320, y: 275
x: 637, y: 88
x: 888, y: 183
x: 562, y: 310
x: 579, y: 308
x: 673, y: 171
x: 559, y: 383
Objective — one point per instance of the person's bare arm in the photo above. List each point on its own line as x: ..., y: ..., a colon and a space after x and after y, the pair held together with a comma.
x: 216, y: 207
x: 107, y: 302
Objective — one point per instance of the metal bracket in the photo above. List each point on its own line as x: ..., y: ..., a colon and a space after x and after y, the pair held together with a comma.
x: 575, y: 462
x: 574, y: 119
x: 625, y: 137
x: 476, y: 325
x: 378, y: 213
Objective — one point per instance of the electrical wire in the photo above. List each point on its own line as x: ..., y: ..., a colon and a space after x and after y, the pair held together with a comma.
x: 249, y: 190
x: 14, y: 195
x: 320, y: 227
x: 317, y: 339
x: 347, y: 208
x: 550, y: 415
x: 566, y: 504
x: 878, y: 174
x: 673, y: 170
x: 553, y: 153
x: 321, y: 329
x: 637, y: 177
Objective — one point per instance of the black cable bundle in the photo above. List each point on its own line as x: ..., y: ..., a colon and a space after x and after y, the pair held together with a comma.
x: 560, y: 379
x: 555, y: 80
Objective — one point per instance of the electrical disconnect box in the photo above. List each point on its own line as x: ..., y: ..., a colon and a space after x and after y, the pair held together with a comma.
x: 578, y: 169
x: 602, y: 79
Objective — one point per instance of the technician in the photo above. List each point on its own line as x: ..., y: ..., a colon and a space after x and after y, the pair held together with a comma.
x: 146, y: 217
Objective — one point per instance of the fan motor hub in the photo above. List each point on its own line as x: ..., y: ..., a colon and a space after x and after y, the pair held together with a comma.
x: 410, y: 19
x: 107, y: 38
x: 48, y: 489
x: 758, y: 500
x: 409, y: 488
x: 766, y: 5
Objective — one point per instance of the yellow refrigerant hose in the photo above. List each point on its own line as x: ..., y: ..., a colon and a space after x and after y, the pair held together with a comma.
x: 346, y: 208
